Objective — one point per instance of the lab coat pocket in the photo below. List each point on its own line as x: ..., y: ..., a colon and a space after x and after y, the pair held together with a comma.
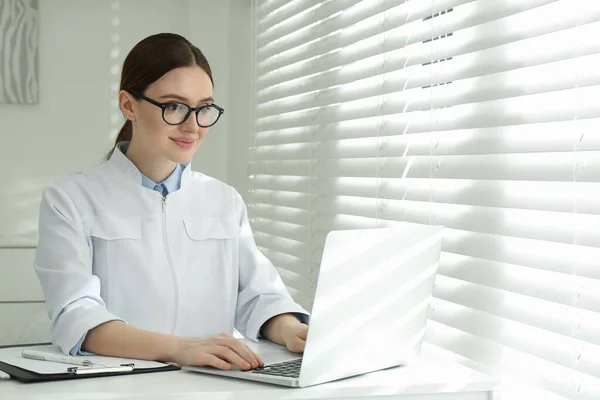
x: 112, y: 227
x: 207, y: 263
x: 211, y: 227
x: 211, y: 251
x: 117, y: 248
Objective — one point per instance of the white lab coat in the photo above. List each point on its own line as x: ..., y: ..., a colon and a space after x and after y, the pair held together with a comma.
x: 187, y: 265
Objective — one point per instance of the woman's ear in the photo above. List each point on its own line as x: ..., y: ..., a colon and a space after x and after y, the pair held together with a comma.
x: 126, y: 102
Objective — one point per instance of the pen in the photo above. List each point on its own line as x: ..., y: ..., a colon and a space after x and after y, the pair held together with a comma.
x: 42, y: 356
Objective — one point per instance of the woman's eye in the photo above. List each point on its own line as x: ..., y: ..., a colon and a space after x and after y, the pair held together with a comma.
x: 175, y: 107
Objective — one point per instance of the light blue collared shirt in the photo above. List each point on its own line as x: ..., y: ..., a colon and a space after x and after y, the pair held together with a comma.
x: 169, y: 185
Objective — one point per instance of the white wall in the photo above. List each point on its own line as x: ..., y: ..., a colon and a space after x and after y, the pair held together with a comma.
x: 66, y: 131
x: 70, y: 128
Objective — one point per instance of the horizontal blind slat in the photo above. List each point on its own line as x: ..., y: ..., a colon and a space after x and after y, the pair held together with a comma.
x: 298, y: 265
x: 550, y: 136
x: 549, y: 316
x: 554, y: 287
x: 284, y: 11
x: 358, y: 20
x: 299, y: 24
x: 280, y: 213
x: 558, y: 105
x: 407, y: 21
x: 523, y: 337
x: 293, y: 200
x: 517, y: 82
x: 519, y: 166
x: 581, y: 197
x: 281, y: 229
x: 548, y: 256
x: 563, y: 227
x: 505, y: 362
x: 264, y: 8
x: 527, y: 33
x: 408, y: 69
x: 282, y: 245
x: 548, y: 226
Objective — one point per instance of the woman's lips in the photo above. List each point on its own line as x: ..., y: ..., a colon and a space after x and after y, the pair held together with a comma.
x: 184, y: 143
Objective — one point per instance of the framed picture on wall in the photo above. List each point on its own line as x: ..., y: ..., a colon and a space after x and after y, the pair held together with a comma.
x: 19, y: 24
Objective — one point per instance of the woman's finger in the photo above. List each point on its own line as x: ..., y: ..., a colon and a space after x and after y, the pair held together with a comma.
x: 227, y: 354
x: 261, y: 363
x: 242, y: 350
x: 297, y: 345
x: 207, y: 359
x: 302, y: 332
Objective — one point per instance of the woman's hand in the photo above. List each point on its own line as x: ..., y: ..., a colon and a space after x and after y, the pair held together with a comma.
x: 286, y: 330
x: 219, y: 351
x: 294, y: 336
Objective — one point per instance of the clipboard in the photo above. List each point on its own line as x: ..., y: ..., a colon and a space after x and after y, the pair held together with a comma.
x: 28, y: 371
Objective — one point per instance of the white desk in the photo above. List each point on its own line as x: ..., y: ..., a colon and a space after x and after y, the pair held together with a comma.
x: 426, y: 381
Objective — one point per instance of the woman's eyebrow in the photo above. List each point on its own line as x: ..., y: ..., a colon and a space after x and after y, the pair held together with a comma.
x: 185, y: 100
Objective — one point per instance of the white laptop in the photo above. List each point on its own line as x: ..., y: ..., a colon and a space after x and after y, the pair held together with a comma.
x: 370, y: 308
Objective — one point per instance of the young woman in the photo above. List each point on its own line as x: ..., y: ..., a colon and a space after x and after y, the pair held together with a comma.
x: 141, y: 257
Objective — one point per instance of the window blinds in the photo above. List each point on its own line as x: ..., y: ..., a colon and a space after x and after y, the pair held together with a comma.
x: 481, y: 116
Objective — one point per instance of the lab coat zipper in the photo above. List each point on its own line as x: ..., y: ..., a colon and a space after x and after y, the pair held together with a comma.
x: 170, y: 261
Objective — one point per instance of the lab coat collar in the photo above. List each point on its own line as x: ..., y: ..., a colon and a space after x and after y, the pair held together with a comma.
x: 119, y: 160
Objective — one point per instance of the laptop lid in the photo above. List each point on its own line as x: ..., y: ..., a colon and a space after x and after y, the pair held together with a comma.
x: 372, y: 300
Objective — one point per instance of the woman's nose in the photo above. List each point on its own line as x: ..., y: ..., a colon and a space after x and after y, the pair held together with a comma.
x: 191, y: 123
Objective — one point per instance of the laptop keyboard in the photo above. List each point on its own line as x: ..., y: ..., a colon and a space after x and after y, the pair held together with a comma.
x: 288, y: 369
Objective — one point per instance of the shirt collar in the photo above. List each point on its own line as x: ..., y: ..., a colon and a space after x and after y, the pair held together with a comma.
x: 172, y: 183
x: 120, y: 161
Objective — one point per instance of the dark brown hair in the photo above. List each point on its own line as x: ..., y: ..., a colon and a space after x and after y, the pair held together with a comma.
x: 149, y: 60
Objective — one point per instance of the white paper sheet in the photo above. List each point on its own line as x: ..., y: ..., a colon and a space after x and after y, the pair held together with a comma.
x: 12, y: 356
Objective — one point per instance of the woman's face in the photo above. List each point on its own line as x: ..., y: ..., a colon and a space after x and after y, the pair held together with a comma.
x: 156, y: 138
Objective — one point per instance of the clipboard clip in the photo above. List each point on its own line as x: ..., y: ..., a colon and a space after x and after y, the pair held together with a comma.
x: 101, y: 370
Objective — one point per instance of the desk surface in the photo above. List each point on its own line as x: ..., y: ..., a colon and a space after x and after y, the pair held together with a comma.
x: 427, y: 379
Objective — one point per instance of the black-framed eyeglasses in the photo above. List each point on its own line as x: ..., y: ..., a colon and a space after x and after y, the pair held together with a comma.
x: 176, y: 113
